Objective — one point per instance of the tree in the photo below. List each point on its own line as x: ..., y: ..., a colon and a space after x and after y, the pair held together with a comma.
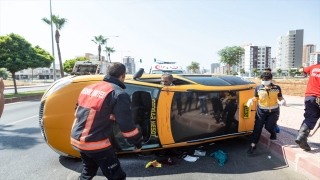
x: 231, y: 55
x: 40, y: 58
x: 291, y: 72
x: 258, y: 73
x: 109, y: 50
x: 254, y: 71
x: 69, y: 64
x: 279, y: 71
x: 59, y: 23
x: 234, y: 73
x: 242, y: 71
x: 15, y: 54
x: 100, y: 40
x: 193, y: 67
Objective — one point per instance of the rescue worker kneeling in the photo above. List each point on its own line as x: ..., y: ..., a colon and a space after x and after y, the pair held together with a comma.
x: 99, y: 106
x: 267, y: 94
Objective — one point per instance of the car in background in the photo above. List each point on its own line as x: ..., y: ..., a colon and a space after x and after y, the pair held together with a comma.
x: 169, y: 116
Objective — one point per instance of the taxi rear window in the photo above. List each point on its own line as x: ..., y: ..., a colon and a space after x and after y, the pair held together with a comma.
x: 208, y: 80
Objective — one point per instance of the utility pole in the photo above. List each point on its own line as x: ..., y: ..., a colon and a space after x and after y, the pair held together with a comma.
x: 54, y: 64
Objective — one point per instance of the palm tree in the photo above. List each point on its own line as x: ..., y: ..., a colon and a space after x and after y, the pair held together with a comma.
x: 109, y: 50
x: 59, y: 23
x: 100, y: 40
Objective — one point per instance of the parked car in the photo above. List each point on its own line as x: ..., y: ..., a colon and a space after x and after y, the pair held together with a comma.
x: 169, y: 116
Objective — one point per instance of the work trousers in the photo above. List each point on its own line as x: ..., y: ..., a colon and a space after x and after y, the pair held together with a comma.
x: 311, y: 111
x: 107, y: 161
x: 264, y: 118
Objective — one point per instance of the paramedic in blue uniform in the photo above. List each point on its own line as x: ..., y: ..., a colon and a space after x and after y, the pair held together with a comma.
x: 99, y: 107
x: 267, y: 95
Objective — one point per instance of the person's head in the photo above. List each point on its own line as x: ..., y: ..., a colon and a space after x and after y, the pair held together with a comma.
x: 166, y: 79
x: 266, y: 78
x: 267, y: 69
x: 117, y: 70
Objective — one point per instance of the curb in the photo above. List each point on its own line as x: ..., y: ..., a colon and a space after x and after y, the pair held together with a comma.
x: 23, y: 98
x: 300, y: 162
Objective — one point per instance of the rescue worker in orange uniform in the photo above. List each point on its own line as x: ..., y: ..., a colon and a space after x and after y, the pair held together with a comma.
x: 99, y: 106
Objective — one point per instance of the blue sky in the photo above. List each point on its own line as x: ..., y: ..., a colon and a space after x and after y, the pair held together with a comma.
x: 169, y: 30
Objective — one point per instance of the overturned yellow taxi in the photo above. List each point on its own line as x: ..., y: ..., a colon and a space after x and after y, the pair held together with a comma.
x: 193, y: 111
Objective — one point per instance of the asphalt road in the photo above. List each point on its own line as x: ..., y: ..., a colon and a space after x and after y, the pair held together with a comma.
x: 24, y: 155
x: 26, y: 89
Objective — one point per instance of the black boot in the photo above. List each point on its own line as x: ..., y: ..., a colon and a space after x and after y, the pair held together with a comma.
x: 302, y: 138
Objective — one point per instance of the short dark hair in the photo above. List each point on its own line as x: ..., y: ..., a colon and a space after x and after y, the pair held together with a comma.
x: 266, y: 75
x: 116, y: 69
x: 267, y: 69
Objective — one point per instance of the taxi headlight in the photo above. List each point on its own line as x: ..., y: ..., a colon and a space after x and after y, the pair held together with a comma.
x: 58, y: 85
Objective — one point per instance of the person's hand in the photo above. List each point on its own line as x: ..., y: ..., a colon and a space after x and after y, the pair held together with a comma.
x: 135, y: 149
x: 283, y: 102
x: 249, y: 103
x: 1, y: 85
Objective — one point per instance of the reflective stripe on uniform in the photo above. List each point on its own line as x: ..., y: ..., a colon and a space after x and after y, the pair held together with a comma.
x: 269, y: 107
x: 90, y: 145
x: 88, y: 125
x: 131, y: 133
x: 112, y: 117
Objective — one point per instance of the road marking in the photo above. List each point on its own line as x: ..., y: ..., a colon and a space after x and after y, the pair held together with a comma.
x: 22, y: 120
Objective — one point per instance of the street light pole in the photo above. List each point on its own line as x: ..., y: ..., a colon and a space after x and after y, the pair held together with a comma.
x: 121, y: 56
x: 54, y: 64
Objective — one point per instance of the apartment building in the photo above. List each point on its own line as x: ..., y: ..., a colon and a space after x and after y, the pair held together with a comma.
x: 314, y: 58
x: 258, y: 57
x: 214, y: 66
x: 307, y: 51
x: 289, y: 50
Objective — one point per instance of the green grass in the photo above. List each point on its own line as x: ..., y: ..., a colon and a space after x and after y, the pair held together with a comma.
x: 21, y: 94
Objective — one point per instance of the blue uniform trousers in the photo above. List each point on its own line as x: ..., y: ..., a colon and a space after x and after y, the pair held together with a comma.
x: 264, y: 118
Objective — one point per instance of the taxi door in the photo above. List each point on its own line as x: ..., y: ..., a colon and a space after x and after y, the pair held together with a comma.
x: 247, y: 114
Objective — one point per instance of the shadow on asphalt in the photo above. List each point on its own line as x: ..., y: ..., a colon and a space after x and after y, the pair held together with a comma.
x: 239, y: 162
x: 17, y: 138
x: 288, y: 136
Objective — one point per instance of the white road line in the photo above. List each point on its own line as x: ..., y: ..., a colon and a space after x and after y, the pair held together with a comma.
x: 22, y: 120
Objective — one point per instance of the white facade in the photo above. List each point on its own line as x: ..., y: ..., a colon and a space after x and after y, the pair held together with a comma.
x: 289, y: 50
x: 38, y: 73
x: 314, y: 59
x: 258, y: 57
x: 281, y: 52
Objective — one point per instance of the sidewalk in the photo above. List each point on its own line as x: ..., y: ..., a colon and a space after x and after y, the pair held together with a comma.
x: 285, y: 148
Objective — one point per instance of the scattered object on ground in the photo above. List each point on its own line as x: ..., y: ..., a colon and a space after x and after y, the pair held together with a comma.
x: 277, y: 129
x: 211, y: 144
x: 168, y: 161
x: 154, y: 164
x: 190, y: 158
x: 220, y: 156
x: 199, y: 153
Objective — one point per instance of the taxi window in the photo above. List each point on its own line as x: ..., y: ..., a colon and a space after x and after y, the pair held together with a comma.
x: 199, y: 115
x: 143, y: 104
x: 208, y: 80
